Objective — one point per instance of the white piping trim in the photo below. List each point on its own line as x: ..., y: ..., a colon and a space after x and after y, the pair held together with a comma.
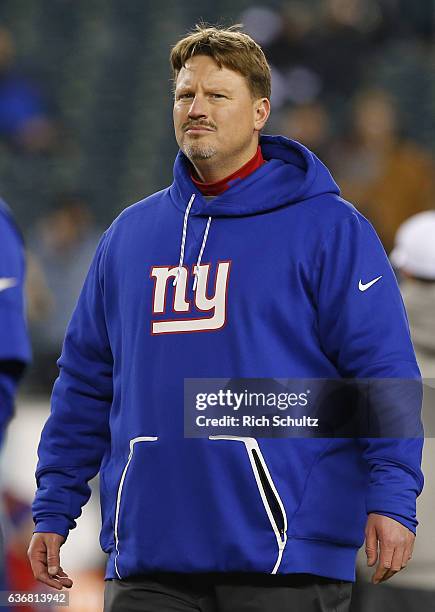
x: 252, y: 444
x: 121, y: 484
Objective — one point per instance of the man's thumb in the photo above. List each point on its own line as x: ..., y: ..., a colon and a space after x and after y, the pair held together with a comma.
x: 53, y: 561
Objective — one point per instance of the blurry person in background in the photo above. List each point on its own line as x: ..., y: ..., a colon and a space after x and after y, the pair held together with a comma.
x: 61, y: 247
x: 318, y: 51
x: 14, y: 342
x: 25, y: 123
x: 340, y: 45
x: 388, y: 177
x: 310, y: 124
x: 413, y: 257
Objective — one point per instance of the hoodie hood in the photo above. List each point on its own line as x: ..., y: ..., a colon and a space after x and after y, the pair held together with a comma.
x: 292, y: 174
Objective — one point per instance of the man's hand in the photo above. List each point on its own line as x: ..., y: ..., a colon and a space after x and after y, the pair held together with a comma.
x: 395, y: 546
x: 44, y: 558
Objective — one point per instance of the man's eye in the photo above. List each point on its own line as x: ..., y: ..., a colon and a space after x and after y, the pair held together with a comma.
x: 216, y: 95
x: 185, y: 95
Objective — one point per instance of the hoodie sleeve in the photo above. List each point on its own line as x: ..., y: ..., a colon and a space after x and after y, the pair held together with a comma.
x: 14, y: 342
x: 10, y: 374
x: 76, y: 435
x: 364, y: 331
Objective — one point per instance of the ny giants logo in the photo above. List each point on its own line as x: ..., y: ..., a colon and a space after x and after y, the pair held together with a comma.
x: 216, y: 304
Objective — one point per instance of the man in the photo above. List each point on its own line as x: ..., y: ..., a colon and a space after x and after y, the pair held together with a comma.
x: 300, y: 287
x: 14, y: 343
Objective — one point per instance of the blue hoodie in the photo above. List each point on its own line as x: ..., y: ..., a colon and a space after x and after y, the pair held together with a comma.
x: 14, y: 341
x: 285, y: 254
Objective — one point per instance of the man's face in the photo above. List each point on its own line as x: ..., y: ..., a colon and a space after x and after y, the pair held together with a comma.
x: 214, y: 113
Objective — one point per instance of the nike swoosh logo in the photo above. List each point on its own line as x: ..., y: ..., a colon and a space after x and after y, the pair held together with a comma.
x: 363, y: 287
x: 7, y: 283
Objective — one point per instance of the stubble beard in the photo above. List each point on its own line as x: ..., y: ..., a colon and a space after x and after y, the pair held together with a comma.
x: 195, y: 151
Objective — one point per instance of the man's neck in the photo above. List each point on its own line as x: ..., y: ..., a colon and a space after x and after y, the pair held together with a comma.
x: 213, y: 188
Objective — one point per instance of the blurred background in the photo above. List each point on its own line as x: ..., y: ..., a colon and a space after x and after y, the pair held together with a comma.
x: 86, y: 130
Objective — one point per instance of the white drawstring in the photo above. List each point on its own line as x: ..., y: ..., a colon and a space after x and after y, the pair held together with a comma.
x: 183, y: 242
x: 183, y: 239
x: 204, y: 240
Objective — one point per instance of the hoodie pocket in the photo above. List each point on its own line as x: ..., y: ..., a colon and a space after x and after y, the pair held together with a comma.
x: 221, y: 503
x: 269, y: 494
x: 133, y: 442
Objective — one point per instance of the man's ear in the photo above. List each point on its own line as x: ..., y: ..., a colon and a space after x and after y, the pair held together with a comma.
x: 261, y: 113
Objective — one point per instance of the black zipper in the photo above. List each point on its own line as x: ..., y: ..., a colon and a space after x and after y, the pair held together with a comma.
x: 270, y: 495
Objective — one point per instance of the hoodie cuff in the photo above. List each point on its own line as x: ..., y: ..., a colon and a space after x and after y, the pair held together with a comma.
x: 411, y: 525
x: 52, y: 525
x: 399, y: 505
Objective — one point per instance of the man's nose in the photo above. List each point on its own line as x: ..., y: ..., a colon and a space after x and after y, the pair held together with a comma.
x: 198, y: 108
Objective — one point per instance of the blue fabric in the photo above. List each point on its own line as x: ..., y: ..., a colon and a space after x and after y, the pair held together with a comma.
x: 8, y: 387
x: 293, y: 252
x: 14, y: 342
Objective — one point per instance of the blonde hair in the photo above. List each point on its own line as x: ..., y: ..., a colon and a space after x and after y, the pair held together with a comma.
x: 229, y: 48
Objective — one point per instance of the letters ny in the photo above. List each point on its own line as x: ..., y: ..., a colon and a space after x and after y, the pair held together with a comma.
x: 216, y: 304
